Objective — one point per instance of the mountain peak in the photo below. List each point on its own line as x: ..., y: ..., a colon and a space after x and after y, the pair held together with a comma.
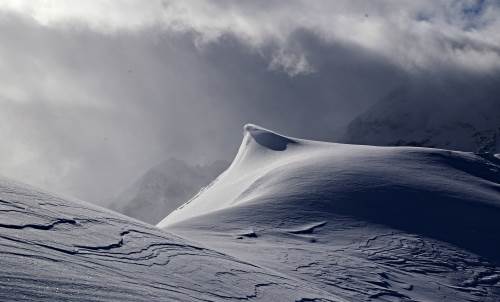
x: 267, y: 138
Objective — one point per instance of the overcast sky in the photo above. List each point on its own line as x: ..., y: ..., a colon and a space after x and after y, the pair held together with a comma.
x: 95, y: 92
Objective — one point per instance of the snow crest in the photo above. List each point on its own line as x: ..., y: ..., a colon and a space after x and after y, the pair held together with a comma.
x: 364, y: 223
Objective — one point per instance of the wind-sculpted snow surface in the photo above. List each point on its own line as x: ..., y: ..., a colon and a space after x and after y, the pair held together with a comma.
x: 52, y: 249
x: 361, y: 222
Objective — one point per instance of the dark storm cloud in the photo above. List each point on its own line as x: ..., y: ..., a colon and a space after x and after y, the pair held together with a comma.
x: 94, y: 95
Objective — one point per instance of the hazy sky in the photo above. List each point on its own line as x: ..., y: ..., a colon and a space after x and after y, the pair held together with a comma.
x: 95, y: 92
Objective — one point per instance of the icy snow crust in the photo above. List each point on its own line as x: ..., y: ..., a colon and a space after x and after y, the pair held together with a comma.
x: 360, y: 222
x: 54, y: 249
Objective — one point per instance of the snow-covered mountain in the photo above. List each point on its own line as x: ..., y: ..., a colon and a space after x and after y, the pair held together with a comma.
x: 289, y: 220
x: 364, y: 223
x: 163, y: 188
x: 55, y: 249
x: 417, y: 116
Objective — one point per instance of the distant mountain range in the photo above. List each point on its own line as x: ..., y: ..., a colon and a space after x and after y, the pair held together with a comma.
x: 163, y: 188
x: 416, y: 116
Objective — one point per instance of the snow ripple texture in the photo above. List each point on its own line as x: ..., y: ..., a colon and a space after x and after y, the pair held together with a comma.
x: 54, y: 249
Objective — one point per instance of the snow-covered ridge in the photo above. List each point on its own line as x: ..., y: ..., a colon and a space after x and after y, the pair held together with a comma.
x: 364, y: 223
x: 267, y: 138
x: 260, y: 151
x: 290, y: 220
x: 263, y: 152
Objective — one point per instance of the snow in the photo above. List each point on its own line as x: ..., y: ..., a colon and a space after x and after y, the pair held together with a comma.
x: 311, y: 167
x: 289, y: 220
x: 259, y: 153
x: 364, y: 223
x: 56, y: 249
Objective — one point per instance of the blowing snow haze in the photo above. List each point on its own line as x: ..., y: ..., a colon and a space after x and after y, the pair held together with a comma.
x: 95, y: 93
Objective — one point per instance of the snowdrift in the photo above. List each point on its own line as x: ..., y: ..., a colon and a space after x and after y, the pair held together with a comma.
x: 363, y: 222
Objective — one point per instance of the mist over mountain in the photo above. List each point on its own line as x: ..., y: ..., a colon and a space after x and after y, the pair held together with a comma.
x: 163, y: 188
x: 415, y: 115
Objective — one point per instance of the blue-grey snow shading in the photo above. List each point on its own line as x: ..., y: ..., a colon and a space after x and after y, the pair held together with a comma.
x: 361, y: 222
x: 54, y: 249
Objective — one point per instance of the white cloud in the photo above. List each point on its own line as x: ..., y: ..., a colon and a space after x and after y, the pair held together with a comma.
x: 291, y: 63
x: 413, y: 34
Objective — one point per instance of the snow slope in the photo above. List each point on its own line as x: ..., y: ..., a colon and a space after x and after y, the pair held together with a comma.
x: 163, y: 188
x: 361, y: 222
x: 54, y: 249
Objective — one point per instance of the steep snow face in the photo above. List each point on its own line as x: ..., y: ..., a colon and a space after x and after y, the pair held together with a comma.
x: 164, y: 188
x: 260, y: 152
x: 53, y: 249
x: 362, y: 222
x: 408, y: 117
x: 270, y: 164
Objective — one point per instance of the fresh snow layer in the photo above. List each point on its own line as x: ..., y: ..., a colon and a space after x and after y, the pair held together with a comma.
x: 54, y: 249
x: 360, y: 222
